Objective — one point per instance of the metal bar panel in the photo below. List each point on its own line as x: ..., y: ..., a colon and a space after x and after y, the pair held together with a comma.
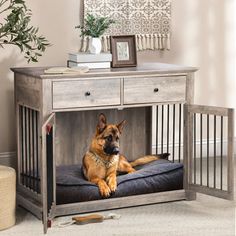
x: 37, y: 153
x: 214, y: 151
x: 157, y: 123
x: 180, y: 119
x: 30, y: 150
x: 34, y: 149
x: 195, y: 149
x: 27, y: 145
x: 173, y: 151
x: 168, y: 126
x: 22, y: 118
x: 217, y: 170
x: 162, y: 128
x: 200, y: 149
x: 221, y: 151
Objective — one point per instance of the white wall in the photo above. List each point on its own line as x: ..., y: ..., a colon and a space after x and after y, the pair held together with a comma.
x: 203, y: 36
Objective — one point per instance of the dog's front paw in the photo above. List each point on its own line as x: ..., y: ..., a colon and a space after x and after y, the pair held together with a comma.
x: 112, y: 183
x: 131, y: 171
x: 104, y: 190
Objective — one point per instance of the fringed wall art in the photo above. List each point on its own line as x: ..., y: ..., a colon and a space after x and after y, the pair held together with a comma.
x: 148, y: 20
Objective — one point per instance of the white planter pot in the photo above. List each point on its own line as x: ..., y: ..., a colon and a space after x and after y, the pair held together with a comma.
x: 95, y: 45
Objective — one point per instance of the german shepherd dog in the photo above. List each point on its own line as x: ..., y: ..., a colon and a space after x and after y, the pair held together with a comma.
x: 103, y: 160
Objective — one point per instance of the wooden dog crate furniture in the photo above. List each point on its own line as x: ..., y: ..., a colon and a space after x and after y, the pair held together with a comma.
x: 56, y: 118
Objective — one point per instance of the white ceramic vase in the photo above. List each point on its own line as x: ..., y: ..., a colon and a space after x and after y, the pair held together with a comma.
x: 95, y: 45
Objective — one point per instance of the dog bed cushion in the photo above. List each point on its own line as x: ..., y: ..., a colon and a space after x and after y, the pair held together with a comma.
x: 157, y: 176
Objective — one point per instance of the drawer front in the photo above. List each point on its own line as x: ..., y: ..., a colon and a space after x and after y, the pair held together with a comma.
x: 154, y: 89
x: 89, y: 93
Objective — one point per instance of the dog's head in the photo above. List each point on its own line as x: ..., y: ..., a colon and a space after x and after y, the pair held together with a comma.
x: 108, y: 136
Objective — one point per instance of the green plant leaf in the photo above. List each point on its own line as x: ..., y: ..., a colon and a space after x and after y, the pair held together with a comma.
x: 16, y: 30
x: 94, y: 26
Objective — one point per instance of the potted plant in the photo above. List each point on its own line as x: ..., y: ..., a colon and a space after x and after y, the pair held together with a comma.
x: 95, y: 27
x: 16, y: 30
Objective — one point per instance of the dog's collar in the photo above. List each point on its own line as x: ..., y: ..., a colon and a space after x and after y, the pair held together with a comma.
x: 103, y: 162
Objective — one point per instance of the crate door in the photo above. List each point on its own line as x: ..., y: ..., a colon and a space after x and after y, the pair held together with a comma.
x: 209, y: 132
x: 48, y: 168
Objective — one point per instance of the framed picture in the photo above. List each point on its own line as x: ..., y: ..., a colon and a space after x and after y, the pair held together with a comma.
x: 123, y: 49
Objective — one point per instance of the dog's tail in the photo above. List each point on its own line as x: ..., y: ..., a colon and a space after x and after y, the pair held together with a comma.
x: 149, y: 158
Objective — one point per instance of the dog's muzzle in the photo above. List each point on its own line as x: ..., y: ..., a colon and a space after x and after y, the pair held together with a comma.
x: 111, y: 150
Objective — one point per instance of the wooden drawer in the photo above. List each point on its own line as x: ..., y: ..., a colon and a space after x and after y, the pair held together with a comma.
x: 154, y: 89
x: 89, y: 93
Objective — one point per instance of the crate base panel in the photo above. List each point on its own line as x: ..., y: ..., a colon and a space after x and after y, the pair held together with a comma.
x: 115, y: 203
x: 29, y: 204
x: 190, y: 195
x: 212, y: 192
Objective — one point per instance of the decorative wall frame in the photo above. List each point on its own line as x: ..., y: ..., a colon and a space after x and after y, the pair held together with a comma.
x: 148, y: 20
x: 123, y: 49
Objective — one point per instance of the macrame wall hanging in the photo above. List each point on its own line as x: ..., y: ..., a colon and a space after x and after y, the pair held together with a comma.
x: 149, y: 20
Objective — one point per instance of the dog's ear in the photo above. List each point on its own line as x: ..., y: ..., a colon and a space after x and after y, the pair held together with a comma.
x: 102, y: 122
x: 120, y: 126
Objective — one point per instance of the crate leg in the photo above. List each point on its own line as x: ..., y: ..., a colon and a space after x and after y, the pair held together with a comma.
x: 190, y: 195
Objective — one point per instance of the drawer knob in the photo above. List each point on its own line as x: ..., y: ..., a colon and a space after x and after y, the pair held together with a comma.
x: 155, y: 90
x: 87, y: 94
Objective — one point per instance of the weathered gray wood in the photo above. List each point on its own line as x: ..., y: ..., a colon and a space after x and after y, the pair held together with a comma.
x: 126, y: 89
x: 28, y: 97
x: 31, y: 145
x: 217, y: 111
x: 142, y: 90
x: 50, y: 121
x: 69, y: 94
x: 18, y: 142
x: 46, y: 100
x: 28, y: 192
x: 186, y: 159
x: 122, y: 92
x: 75, y: 131
x: 23, y: 166
x: 27, y: 81
x: 35, y: 154
x: 119, y: 107
x: 190, y: 146
x: 190, y: 195
x: 27, y: 90
x: 230, y: 161
x: 29, y: 204
x: 142, y: 69
x: 27, y: 157
x: 113, y: 203
x: 188, y: 151
x: 54, y: 163
x: 190, y: 88
x: 211, y: 110
x: 18, y: 138
x: 210, y: 191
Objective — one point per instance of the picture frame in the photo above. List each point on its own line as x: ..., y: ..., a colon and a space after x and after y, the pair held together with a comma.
x: 123, y: 49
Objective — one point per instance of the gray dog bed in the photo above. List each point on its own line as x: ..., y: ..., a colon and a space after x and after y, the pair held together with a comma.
x: 157, y: 176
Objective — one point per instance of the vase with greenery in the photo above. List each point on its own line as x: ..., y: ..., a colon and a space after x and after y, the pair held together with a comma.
x: 16, y: 30
x: 95, y: 27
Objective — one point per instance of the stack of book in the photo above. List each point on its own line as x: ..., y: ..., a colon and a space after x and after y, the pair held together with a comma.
x: 92, y: 61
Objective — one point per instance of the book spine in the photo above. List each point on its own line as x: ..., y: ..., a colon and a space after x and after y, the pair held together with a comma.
x: 97, y: 65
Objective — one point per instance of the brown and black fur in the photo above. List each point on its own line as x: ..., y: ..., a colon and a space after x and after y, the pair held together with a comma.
x: 105, y: 145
